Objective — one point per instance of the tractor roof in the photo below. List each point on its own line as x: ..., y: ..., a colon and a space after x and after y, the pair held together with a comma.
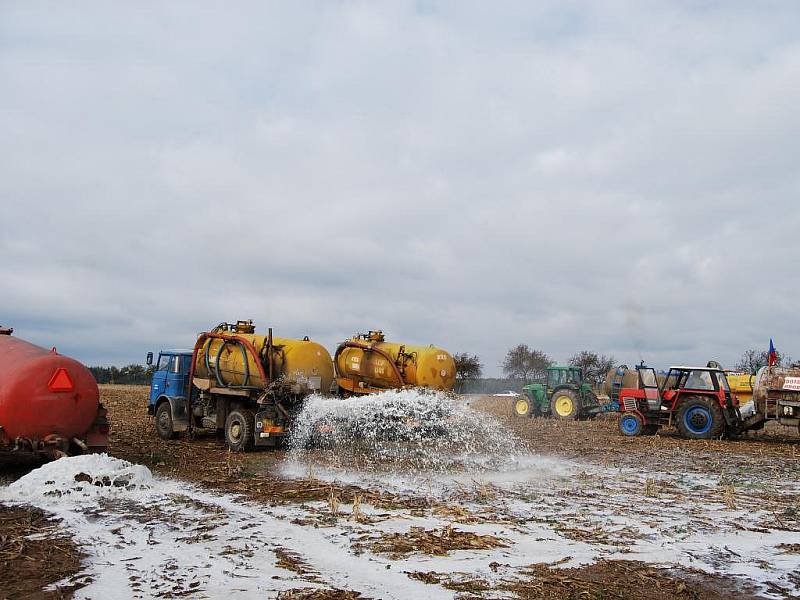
x: 697, y: 369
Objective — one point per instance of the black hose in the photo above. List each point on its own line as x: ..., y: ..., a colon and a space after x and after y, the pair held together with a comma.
x: 207, y: 362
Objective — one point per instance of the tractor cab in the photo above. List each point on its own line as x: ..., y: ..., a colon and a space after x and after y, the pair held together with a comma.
x: 704, y: 381
x: 558, y: 376
x: 648, y: 382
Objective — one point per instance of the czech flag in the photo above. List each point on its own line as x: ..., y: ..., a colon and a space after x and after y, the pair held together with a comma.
x: 772, y: 357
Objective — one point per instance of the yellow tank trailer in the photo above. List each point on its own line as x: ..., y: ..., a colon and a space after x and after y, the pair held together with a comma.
x: 741, y: 384
x: 367, y: 363
x: 302, y: 364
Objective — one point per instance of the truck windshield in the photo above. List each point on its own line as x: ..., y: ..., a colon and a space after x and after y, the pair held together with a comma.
x: 163, y: 362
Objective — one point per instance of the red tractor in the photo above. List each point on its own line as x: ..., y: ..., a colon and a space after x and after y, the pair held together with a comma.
x: 696, y: 400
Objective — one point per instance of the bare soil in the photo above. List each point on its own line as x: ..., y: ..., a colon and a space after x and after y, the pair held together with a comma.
x: 207, y: 462
x: 28, y: 566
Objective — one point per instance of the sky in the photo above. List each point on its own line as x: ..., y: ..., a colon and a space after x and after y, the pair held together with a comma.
x: 614, y: 176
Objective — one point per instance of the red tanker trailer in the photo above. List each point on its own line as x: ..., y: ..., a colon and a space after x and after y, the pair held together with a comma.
x: 49, y: 403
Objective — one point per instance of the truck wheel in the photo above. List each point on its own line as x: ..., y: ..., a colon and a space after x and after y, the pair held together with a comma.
x: 239, y: 428
x: 164, y: 421
x: 700, y: 418
x: 564, y: 404
x: 522, y: 407
x: 631, y: 424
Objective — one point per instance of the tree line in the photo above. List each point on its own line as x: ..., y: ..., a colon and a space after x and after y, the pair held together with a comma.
x: 130, y: 374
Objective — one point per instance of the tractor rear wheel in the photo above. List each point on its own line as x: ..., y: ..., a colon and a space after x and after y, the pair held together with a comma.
x: 700, y: 418
x: 522, y: 406
x: 631, y: 424
x: 239, y: 428
x: 564, y: 404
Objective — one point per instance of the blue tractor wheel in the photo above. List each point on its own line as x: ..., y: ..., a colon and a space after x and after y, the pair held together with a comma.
x: 697, y: 420
x: 631, y: 424
x: 700, y: 418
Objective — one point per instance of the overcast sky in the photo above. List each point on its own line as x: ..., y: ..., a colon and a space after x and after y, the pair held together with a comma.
x: 621, y: 177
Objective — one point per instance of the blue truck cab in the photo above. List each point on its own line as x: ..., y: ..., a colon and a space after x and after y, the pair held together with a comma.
x: 167, y: 401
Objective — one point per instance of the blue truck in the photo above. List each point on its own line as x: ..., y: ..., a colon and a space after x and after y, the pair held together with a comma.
x: 167, y: 401
x: 241, y: 415
x: 247, y: 386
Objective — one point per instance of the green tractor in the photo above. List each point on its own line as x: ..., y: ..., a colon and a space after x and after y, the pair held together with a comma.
x: 564, y: 395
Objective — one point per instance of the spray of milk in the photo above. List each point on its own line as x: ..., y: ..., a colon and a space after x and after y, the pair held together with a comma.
x: 408, y: 430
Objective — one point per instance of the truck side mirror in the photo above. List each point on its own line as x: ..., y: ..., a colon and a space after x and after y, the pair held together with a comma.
x: 149, y: 358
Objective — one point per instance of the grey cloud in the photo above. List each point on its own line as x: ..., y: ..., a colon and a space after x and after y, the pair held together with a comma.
x: 566, y: 175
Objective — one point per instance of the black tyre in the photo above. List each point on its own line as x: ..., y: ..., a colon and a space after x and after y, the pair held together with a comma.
x: 164, y: 421
x: 239, y: 428
x: 565, y: 404
x: 700, y: 418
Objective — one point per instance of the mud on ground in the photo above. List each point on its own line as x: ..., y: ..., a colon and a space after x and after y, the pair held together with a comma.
x: 28, y: 566
x: 746, y: 471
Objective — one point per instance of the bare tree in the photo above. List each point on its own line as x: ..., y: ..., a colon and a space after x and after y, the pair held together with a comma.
x: 593, y: 367
x: 467, y: 368
x: 753, y: 359
x: 523, y: 363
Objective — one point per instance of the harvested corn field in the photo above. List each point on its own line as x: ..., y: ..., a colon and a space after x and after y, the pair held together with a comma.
x: 551, y: 510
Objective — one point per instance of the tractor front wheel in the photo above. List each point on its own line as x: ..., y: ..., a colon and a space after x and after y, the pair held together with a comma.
x: 631, y: 424
x: 564, y: 404
x: 239, y: 428
x: 700, y: 418
x: 522, y: 407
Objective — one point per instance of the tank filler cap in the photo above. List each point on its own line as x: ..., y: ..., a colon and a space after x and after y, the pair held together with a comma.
x: 60, y: 381
x: 244, y: 326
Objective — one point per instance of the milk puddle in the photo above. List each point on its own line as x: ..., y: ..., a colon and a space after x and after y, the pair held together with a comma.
x: 149, y: 537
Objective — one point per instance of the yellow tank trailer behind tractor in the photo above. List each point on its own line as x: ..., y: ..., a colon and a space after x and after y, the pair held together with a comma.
x: 742, y: 385
x: 367, y: 363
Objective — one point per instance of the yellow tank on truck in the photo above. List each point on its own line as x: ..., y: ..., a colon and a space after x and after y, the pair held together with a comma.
x: 304, y: 365
x: 367, y: 363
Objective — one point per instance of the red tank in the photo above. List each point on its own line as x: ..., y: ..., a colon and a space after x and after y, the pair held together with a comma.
x: 49, y: 403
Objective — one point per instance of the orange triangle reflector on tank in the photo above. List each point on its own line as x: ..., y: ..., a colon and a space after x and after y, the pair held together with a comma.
x: 60, y: 381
